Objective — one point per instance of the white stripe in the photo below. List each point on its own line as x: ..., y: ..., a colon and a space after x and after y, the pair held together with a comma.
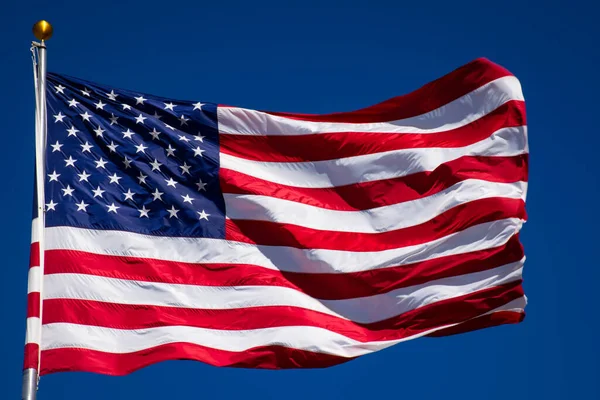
x: 34, y: 280
x: 371, y: 167
x: 381, y: 219
x: 203, y: 250
x: 120, y: 341
x: 35, y: 225
x: 110, y: 340
x: 455, y: 114
x: 362, y: 310
x: 33, y: 332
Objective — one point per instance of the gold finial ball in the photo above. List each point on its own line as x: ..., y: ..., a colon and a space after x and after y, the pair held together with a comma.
x: 42, y: 30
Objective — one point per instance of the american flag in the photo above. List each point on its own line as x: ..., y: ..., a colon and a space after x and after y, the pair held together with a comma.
x: 191, y: 230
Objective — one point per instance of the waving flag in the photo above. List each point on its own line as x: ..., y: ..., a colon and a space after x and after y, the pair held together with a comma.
x: 190, y: 230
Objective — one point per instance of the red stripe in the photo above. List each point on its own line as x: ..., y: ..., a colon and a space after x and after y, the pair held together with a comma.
x: 454, y: 220
x: 330, y: 146
x: 267, y: 357
x: 429, y: 97
x: 320, y: 286
x: 125, y: 316
x: 485, y: 321
x: 367, y: 195
x: 33, y: 304
x: 34, y: 254
x: 30, y: 358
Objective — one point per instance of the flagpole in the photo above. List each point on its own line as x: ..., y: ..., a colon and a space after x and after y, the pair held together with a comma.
x: 42, y: 31
x: 29, y: 389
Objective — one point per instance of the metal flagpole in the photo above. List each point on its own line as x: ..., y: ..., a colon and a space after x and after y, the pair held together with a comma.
x: 29, y: 389
x: 42, y: 31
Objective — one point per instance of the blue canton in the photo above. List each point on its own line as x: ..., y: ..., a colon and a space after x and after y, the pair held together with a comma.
x: 127, y: 161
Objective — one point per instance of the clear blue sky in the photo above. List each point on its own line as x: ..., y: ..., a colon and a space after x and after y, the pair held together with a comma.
x: 324, y: 56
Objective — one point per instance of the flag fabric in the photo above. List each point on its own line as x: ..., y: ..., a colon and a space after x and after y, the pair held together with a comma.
x: 191, y: 230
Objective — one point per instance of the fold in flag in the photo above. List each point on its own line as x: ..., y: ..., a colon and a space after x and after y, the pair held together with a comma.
x: 190, y: 230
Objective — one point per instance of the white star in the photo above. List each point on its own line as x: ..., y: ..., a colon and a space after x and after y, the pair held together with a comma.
x: 173, y: 212
x: 113, y: 119
x: 183, y: 120
x: 112, y: 95
x: 81, y: 206
x: 187, y: 199
x: 85, y: 92
x: 73, y: 103
x: 183, y: 138
x: 198, y: 106
x: 100, y: 105
x: 128, y: 134
x: 185, y: 169
x: 98, y: 192
x: 127, y: 163
x: 141, y: 148
x: 83, y: 176
x: 199, y: 138
x: 155, y: 165
x: 70, y: 162
x: 170, y: 106
x: 112, y: 147
x: 72, y: 131
x: 51, y: 206
x: 157, y: 195
x: 140, y: 100
x: 171, y: 182
x: 170, y: 151
x: 113, y: 208
x: 157, y: 115
x: 101, y: 163
x: 201, y: 185
x: 60, y: 89
x: 198, y: 151
x: 203, y: 215
x: 56, y: 146
x: 140, y: 119
x: 129, y: 195
x: 143, y: 212
x: 68, y: 191
x: 59, y: 117
x: 86, y: 147
x: 154, y: 134
x: 99, y: 131
x: 53, y: 176
x: 126, y: 106
x: 142, y: 178
x: 170, y: 127
x: 86, y: 116
x: 114, y: 178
